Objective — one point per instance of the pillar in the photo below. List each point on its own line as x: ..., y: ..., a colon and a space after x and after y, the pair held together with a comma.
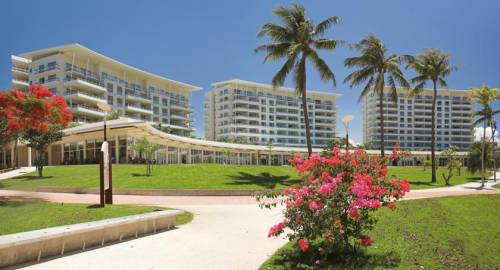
x: 178, y: 156
x: 214, y: 155
x: 84, y: 151
x: 202, y: 156
x: 269, y: 159
x: 239, y: 161
x: 117, y: 151
x: 282, y: 160
x: 189, y: 156
x: 29, y: 157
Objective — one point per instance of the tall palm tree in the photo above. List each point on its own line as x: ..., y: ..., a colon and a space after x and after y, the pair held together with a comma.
x: 431, y: 65
x: 484, y: 97
x: 296, y: 40
x: 376, y: 67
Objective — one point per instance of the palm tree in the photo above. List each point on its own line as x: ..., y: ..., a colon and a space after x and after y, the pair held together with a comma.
x: 484, y: 97
x: 296, y: 40
x: 431, y: 65
x: 375, y: 68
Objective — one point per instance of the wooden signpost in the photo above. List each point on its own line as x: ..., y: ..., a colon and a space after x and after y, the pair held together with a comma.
x: 105, y: 164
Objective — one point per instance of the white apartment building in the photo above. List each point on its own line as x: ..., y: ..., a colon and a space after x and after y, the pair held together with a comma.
x: 85, y: 77
x: 250, y: 112
x: 408, y: 121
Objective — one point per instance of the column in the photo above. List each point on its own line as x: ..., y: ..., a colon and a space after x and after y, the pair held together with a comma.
x: 239, y: 161
x: 189, y: 156
x: 117, y: 150
x: 178, y: 156
x: 269, y: 159
x: 12, y: 162
x: 202, y: 156
x: 282, y: 160
x: 29, y: 156
x: 84, y: 151
x: 166, y: 158
x: 214, y: 154
x: 62, y: 153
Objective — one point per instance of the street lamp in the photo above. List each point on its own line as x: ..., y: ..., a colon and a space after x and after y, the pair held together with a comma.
x: 345, y: 120
x: 105, y: 163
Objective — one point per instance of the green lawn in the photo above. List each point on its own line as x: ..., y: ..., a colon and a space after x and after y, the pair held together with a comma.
x: 26, y: 215
x: 446, y: 233
x: 497, y: 185
x: 198, y: 176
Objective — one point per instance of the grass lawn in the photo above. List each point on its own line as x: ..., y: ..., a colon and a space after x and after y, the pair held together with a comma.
x: 26, y: 215
x: 497, y: 185
x: 445, y: 233
x: 198, y: 176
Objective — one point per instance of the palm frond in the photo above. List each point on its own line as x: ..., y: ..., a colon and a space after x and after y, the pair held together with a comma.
x: 321, y: 27
x: 322, y: 67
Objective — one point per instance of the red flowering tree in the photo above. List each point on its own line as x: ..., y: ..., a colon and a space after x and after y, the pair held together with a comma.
x: 333, y: 207
x: 35, y: 113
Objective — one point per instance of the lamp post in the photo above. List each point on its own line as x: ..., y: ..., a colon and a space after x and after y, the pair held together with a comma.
x: 345, y: 120
x: 105, y: 169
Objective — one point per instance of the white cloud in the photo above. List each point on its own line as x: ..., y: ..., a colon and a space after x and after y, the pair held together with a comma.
x: 478, y: 134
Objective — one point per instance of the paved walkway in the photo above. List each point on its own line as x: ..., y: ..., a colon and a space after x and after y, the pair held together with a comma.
x: 226, y: 233
x: 17, y: 172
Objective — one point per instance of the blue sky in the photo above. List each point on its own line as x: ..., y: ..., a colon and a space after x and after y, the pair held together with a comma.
x: 201, y: 42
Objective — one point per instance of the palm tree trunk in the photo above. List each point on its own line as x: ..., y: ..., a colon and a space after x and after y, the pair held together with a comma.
x: 302, y: 89
x: 433, y: 135
x: 382, y: 139
x: 493, y: 130
x: 483, y: 150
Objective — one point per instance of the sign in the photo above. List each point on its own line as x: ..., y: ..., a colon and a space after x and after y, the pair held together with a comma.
x: 105, y: 158
x: 106, y: 174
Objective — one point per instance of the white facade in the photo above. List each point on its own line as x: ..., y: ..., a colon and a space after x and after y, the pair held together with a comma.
x: 408, y: 121
x: 249, y: 112
x: 84, y: 78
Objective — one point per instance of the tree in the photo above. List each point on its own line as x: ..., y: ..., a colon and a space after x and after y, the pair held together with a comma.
x: 474, y: 157
x: 332, y: 144
x: 452, y: 162
x: 376, y: 67
x: 296, y: 41
x: 143, y: 146
x: 40, y: 141
x: 431, y: 65
x: 35, y: 110
x: 114, y: 114
x: 484, y: 97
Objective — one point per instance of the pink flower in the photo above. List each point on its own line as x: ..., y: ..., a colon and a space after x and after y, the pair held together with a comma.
x: 276, y: 229
x: 303, y: 245
x: 353, y: 213
x: 299, y: 201
x: 366, y: 241
x: 315, y: 205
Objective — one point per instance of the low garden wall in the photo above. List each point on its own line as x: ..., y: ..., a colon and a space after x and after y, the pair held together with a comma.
x: 153, y: 192
x: 34, y: 245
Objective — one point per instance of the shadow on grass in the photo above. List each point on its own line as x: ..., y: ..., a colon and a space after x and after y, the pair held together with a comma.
x: 31, y: 177
x: 292, y: 258
x: 17, y: 201
x: 140, y: 175
x: 264, y: 179
x: 94, y: 206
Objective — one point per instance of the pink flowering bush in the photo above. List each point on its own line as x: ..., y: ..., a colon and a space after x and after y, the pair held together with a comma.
x: 333, y: 206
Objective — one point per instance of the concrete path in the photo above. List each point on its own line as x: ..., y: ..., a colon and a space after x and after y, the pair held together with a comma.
x: 226, y: 233
x: 17, y: 172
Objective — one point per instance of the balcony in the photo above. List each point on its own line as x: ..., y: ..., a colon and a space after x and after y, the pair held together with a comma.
x: 136, y: 109
x: 84, y: 96
x: 42, y: 70
x: 84, y: 85
x: 19, y: 70
x: 86, y: 110
x: 138, y: 98
x: 181, y: 106
x: 180, y: 117
x: 20, y: 83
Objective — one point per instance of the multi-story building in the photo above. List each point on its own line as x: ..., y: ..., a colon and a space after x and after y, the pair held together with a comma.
x: 250, y: 112
x: 85, y: 77
x: 408, y: 120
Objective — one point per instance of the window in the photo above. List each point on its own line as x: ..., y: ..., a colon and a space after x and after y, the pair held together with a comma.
x: 41, y: 80
x: 109, y: 86
x: 51, y: 78
x: 110, y: 100
x: 119, y: 102
x: 51, y: 65
x: 119, y: 90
